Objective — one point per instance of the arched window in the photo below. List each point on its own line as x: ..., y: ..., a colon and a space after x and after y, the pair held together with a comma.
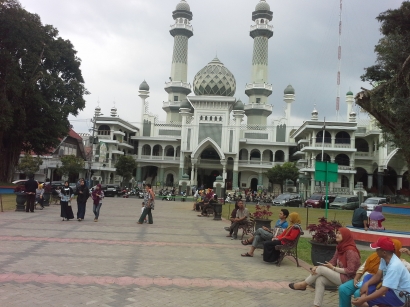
x: 342, y: 159
x: 279, y: 156
x: 104, y: 130
x: 319, y: 137
x: 342, y: 137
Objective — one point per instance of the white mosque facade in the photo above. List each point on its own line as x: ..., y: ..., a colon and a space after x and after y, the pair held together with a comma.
x: 210, y: 136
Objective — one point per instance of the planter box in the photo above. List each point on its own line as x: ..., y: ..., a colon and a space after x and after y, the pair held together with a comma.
x: 322, y: 252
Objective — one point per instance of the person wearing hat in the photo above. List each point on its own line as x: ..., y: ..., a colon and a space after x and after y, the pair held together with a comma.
x: 392, y: 277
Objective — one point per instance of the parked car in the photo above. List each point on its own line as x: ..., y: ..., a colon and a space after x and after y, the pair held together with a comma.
x: 288, y: 200
x: 345, y: 202
x: 23, y: 181
x: 111, y: 189
x: 372, y: 202
x: 319, y: 200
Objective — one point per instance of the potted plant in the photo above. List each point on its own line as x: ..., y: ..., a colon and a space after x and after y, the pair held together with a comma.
x: 262, y: 214
x: 20, y: 198
x: 323, y: 240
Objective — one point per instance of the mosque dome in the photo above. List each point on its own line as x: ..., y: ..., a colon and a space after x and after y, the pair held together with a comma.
x: 262, y: 6
x: 239, y: 106
x: 183, y: 6
x: 144, y: 86
x: 214, y: 80
x: 349, y: 93
x: 289, y: 90
x: 98, y: 108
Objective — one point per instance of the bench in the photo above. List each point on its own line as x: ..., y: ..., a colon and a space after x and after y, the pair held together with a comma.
x: 249, y: 227
x: 289, y: 249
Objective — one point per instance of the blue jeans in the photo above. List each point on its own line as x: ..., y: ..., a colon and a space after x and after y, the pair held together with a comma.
x: 96, y: 210
x: 80, y: 210
x: 346, y: 291
x: 389, y: 299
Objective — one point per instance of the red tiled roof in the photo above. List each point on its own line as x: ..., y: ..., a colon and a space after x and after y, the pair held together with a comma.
x: 75, y: 135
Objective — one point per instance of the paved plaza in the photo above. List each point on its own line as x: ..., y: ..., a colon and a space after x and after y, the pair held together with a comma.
x: 180, y: 260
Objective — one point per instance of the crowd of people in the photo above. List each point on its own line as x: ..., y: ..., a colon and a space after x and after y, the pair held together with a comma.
x: 376, y: 282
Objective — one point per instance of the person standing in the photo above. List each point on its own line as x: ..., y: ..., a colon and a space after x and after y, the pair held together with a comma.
x: 30, y: 188
x: 66, y: 194
x: 149, y: 199
x: 97, y: 196
x: 82, y: 195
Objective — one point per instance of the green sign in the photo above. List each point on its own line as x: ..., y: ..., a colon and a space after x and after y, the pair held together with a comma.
x: 326, y: 171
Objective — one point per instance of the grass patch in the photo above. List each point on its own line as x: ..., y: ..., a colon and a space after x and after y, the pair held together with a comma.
x: 9, y: 202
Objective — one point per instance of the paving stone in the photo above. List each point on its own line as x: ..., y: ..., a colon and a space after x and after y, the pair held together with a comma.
x: 180, y: 260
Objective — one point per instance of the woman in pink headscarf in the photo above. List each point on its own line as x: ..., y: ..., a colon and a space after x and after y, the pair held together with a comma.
x: 376, y: 218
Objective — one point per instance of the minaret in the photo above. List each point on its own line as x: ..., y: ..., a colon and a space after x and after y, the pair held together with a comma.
x: 177, y: 87
x: 259, y: 89
x: 144, y: 94
x: 289, y: 97
x: 349, y: 101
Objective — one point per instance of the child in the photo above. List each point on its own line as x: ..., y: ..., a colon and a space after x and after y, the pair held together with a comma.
x: 142, y: 211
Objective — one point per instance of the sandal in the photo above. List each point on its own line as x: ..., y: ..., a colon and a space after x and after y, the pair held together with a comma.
x: 292, y: 286
x: 246, y: 255
x: 245, y: 242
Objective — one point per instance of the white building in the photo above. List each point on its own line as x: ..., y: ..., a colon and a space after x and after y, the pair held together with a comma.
x: 205, y: 135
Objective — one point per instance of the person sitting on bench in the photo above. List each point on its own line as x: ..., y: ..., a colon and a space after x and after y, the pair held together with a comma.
x: 208, y: 205
x: 359, y: 218
x: 265, y: 234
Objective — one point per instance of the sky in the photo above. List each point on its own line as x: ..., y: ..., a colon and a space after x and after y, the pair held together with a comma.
x: 123, y: 42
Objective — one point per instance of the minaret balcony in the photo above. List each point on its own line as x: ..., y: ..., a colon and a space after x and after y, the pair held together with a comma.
x: 182, y: 29
x: 261, y: 30
x: 263, y: 89
x: 178, y: 87
x: 259, y: 107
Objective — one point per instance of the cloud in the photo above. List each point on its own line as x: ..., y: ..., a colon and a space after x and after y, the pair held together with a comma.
x: 122, y: 43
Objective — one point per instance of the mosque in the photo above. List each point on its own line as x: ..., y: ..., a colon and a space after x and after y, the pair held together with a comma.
x: 209, y: 136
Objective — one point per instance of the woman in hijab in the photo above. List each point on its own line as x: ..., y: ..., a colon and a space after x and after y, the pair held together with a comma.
x: 270, y: 254
x: 82, y: 195
x: 370, y: 266
x: 66, y: 194
x: 341, y: 268
x: 97, y: 196
x: 376, y: 218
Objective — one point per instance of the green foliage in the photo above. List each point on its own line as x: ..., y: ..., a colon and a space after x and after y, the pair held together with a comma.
x: 125, y: 166
x: 389, y: 100
x: 279, y: 173
x: 29, y: 164
x: 72, y: 165
x: 40, y: 85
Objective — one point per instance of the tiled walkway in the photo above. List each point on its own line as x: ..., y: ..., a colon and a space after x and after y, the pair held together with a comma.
x: 180, y: 260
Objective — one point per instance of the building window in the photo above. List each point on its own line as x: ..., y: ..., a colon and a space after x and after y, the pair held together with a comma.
x: 175, y: 98
x: 258, y: 100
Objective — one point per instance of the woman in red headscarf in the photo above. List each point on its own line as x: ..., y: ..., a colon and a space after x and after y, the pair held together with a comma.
x: 341, y: 268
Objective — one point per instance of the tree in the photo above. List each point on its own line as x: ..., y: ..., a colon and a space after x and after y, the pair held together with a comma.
x: 389, y: 99
x: 71, y: 166
x: 29, y: 165
x: 279, y: 173
x: 125, y: 166
x: 40, y: 85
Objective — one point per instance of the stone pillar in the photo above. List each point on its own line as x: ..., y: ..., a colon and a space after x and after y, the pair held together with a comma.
x: 399, y: 182
x: 351, y: 183
x: 380, y: 183
x: 138, y: 176
x: 161, y: 174
x: 260, y: 178
x: 312, y: 185
x: 192, y: 174
x: 223, y: 162
x: 369, y: 181
x: 235, y: 178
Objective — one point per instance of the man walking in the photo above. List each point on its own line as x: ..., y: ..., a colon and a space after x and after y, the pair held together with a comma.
x: 242, y: 215
x: 30, y: 188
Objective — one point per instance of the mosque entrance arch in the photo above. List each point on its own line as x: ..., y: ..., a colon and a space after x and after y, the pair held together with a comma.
x: 254, y: 184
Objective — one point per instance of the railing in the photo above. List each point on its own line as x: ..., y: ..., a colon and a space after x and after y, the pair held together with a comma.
x: 182, y: 26
x: 179, y: 84
x: 250, y: 86
x: 264, y: 26
x: 344, y: 167
x: 259, y: 106
x: 345, y: 191
x: 362, y: 154
x: 343, y: 146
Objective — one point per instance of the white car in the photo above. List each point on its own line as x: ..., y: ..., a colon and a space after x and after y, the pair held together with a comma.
x: 373, y: 202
